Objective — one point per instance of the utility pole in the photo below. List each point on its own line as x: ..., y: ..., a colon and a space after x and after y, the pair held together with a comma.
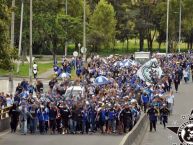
x: 12, y: 45
x: 167, y: 27
x: 20, y: 36
x: 180, y: 27
x: 66, y: 43
x: 30, y: 49
x: 12, y: 25
x: 84, y: 30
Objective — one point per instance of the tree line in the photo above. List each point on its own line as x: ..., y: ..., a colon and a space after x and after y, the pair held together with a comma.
x: 107, y: 21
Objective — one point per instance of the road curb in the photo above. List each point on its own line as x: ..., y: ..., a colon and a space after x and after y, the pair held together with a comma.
x: 4, y: 133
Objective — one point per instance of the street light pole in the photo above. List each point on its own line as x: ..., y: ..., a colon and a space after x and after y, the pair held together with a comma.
x: 167, y: 27
x: 12, y: 25
x: 12, y: 45
x: 180, y: 27
x: 66, y: 43
x: 20, y: 36
x: 84, y: 29
x: 30, y: 49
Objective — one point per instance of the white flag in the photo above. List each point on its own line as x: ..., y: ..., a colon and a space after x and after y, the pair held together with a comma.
x: 150, y: 71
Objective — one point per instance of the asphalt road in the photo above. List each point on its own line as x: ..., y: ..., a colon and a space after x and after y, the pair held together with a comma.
x: 183, y: 106
x: 17, y: 139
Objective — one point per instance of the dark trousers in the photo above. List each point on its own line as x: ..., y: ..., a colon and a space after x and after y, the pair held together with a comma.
x: 65, y: 123
x: 13, y: 125
x: 153, y: 124
x: 58, y: 125
x: 168, y: 88
x: 79, y: 125
x: 145, y: 107
x: 164, y: 120
x: 33, y: 125
x: 41, y: 126
x: 176, y: 86
x: 185, y: 79
x: 127, y: 124
x: 35, y: 76
x: 46, y: 126
x: 85, y: 126
x: 53, y: 125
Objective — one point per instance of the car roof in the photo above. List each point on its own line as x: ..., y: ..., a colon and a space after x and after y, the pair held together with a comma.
x: 75, y: 88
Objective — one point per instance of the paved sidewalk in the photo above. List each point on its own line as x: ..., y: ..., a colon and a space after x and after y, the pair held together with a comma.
x: 46, y: 75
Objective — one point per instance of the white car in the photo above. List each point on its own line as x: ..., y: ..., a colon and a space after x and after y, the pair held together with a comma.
x: 75, y: 91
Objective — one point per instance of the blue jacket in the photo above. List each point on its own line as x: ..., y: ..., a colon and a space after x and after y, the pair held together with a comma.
x: 68, y: 69
x: 46, y: 114
x: 85, y: 116
x: 102, y: 116
x: 78, y: 72
x: 152, y: 114
x: 144, y: 98
x: 112, y: 115
x: 92, y: 114
x: 40, y: 115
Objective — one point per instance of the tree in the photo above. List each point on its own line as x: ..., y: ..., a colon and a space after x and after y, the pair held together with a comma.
x: 51, y: 26
x: 187, y: 22
x: 103, y: 25
x: 6, y: 52
x: 125, y: 20
x: 160, y: 22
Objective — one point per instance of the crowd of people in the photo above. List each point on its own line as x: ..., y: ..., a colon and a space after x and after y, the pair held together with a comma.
x: 6, y: 100
x: 113, y: 107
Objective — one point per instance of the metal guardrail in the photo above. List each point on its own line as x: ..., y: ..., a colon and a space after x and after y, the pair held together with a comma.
x: 4, y: 113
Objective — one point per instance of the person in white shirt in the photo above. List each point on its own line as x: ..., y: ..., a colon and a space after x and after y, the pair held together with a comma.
x: 185, y: 74
x: 170, y: 101
x: 35, y: 70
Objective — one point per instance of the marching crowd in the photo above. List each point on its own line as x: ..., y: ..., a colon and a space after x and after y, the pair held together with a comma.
x: 111, y: 107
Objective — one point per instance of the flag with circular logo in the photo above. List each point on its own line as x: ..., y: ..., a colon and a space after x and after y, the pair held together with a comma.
x: 150, y: 71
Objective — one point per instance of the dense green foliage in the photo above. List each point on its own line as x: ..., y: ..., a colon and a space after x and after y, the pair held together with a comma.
x: 6, y: 52
x: 102, y: 23
x: 108, y: 22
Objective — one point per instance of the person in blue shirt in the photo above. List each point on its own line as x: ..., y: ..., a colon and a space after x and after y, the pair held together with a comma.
x: 24, y: 94
x: 152, y: 113
x: 85, y: 121
x: 56, y: 68
x: 92, y: 117
x: 102, y: 118
x: 24, y: 84
x: 68, y: 69
x: 46, y: 119
x: 17, y: 99
x: 31, y: 89
x: 59, y: 72
x: 78, y: 71
x: 40, y: 115
x: 145, y: 101
x: 33, y: 120
x: 112, y: 120
x: 135, y: 115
